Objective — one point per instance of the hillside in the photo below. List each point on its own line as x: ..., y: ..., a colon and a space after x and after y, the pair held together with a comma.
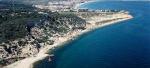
x: 24, y: 32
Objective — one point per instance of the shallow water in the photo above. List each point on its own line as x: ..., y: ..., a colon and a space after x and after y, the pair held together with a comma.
x: 122, y: 45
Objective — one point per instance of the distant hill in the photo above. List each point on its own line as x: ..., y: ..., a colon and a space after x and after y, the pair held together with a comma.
x: 33, y: 1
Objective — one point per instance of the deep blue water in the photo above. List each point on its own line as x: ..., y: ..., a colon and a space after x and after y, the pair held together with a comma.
x: 122, y: 45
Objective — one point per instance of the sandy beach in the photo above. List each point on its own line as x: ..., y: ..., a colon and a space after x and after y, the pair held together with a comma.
x: 59, y: 41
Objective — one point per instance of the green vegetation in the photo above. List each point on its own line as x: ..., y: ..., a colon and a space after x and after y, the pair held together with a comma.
x: 14, y: 24
x: 12, y: 29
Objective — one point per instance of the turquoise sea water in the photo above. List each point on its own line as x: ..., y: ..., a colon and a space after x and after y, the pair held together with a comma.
x: 122, y: 45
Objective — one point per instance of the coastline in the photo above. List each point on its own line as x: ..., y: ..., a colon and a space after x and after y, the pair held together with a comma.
x: 80, y: 4
x: 28, y: 62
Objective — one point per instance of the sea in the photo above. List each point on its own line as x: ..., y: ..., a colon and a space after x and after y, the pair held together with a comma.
x: 122, y: 45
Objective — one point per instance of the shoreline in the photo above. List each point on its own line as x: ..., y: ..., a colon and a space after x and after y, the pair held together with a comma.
x: 28, y: 62
x: 79, y: 4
